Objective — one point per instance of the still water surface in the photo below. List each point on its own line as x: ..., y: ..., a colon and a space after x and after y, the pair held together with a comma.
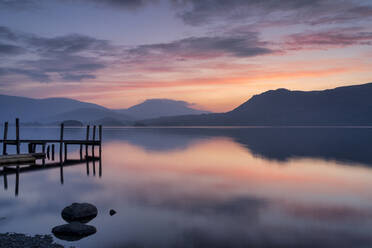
x: 206, y: 187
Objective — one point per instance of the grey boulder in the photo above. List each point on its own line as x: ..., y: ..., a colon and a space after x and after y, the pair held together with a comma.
x: 81, y: 212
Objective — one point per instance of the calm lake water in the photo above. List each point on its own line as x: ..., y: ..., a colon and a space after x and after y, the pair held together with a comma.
x: 206, y: 187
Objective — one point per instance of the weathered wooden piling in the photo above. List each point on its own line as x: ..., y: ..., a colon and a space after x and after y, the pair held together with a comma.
x: 94, y: 138
x: 61, y: 173
x: 52, y: 152
x: 87, y: 139
x: 5, y: 137
x: 48, y: 152
x: 61, y: 143
x: 17, y: 136
x: 17, y: 181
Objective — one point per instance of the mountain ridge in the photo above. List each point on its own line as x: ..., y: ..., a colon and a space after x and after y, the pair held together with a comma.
x: 346, y: 105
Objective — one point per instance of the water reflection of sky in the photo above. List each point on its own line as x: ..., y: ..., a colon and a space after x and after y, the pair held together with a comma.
x: 209, y: 188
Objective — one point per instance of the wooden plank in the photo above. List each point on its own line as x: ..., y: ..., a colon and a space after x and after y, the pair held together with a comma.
x: 40, y: 142
x: 20, y: 158
x: 36, y: 167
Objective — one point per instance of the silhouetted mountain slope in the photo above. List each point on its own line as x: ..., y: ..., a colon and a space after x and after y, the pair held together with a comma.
x: 351, y: 105
x: 154, y: 108
x: 53, y: 110
x: 29, y: 109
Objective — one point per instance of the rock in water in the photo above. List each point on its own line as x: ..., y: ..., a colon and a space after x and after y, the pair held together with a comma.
x: 73, y: 231
x: 81, y: 212
x: 112, y: 212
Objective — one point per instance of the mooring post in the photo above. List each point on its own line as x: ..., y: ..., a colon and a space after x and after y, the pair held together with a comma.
x: 87, y: 161
x: 65, y: 152
x: 94, y: 138
x: 17, y: 181
x: 61, y: 173
x: 61, y: 143
x: 100, y: 139
x: 48, y: 151
x: 53, y: 152
x: 86, y: 145
x: 17, y: 136
x: 5, y: 137
x: 43, y: 151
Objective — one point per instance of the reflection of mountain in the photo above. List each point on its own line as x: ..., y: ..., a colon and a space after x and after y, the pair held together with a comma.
x: 340, y: 144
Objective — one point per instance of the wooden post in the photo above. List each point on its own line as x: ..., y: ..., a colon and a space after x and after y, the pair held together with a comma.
x: 43, y: 151
x: 53, y: 152
x: 17, y: 181
x: 100, y: 139
x: 61, y: 173
x: 86, y: 145
x: 48, y: 152
x: 61, y: 143
x: 17, y: 136
x: 100, y: 151
x: 87, y: 161
x: 65, y: 152
x: 94, y: 138
x: 5, y: 137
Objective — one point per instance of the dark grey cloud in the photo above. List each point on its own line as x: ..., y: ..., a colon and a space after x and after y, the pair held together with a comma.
x: 7, y: 49
x: 65, y: 58
x: 127, y: 4
x: 208, y: 47
x: 77, y: 77
x: 196, y: 12
x: 17, y: 4
x: 69, y: 44
x: 7, y: 34
x: 34, y: 75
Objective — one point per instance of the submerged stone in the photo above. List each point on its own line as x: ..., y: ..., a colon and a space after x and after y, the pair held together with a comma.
x: 112, y: 212
x: 73, y: 231
x: 81, y: 212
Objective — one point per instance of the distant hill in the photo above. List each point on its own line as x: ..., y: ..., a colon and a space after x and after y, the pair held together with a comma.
x: 34, y: 110
x: 56, y: 110
x: 351, y: 105
x: 154, y: 108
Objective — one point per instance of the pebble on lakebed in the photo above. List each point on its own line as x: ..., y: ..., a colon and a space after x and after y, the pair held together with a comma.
x: 16, y: 240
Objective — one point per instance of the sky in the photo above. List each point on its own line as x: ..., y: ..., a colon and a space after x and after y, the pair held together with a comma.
x: 214, y: 54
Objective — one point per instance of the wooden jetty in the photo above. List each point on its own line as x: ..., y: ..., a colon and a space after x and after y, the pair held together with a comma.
x: 44, y: 143
x: 22, y: 163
